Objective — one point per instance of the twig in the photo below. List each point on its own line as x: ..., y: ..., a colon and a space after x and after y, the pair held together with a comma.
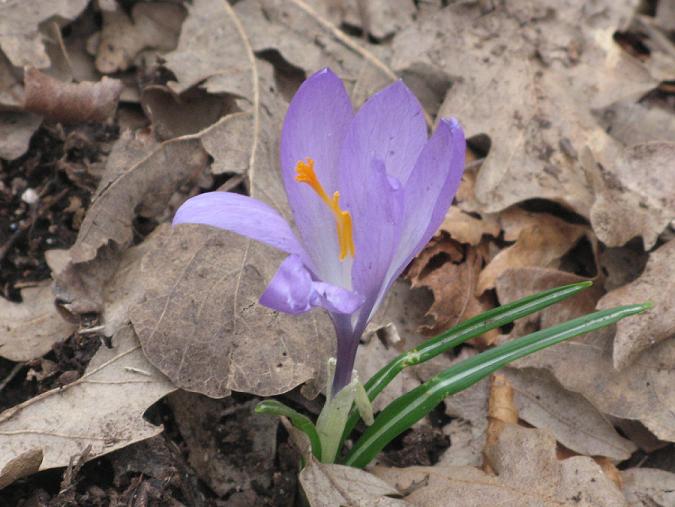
x: 12, y: 374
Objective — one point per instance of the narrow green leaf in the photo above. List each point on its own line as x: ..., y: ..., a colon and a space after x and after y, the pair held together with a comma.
x: 468, y: 329
x: 406, y: 410
x: 299, y: 421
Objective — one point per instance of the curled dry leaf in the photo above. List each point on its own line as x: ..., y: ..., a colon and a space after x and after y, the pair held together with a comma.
x: 200, y: 322
x: 330, y: 485
x: 30, y: 328
x: 542, y: 240
x: 649, y: 487
x: 70, y: 102
x: 535, y: 136
x: 640, y: 391
x: 655, y: 284
x: 20, y: 39
x: 139, y: 174
x: 103, y: 409
x: 153, y: 25
x: 635, y: 198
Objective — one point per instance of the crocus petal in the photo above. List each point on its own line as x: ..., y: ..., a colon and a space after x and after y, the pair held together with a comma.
x: 241, y: 214
x: 430, y: 190
x: 389, y: 127
x: 293, y: 291
x: 315, y: 126
x: 375, y: 201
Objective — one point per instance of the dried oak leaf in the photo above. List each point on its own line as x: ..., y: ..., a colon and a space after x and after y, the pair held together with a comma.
x: 640, y: 391
x: 102, y: 409
x: 30, y: 328
x: 20, y: 39
x: 555, y: 61
x: 542, y: 240
x: 210, y: 52
x: 379, y: 18
x: 649, y: 487
x: 575, y: 422
x: 636, y: 197
x: 529, y: 474
x: 154, y: 25
x: 329, y: 485
x: 468, y: 229
x: 70, y: 102
x: 655, y: 284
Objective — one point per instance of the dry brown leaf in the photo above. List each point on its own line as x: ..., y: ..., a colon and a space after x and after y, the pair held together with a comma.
x: 535, y: 134
x: 20, y: 39
x: 468, y: 229
x: 103, y: 409
x: 210, y: 52
x: 16, y: 130
x: 332, y: 485
x: 139, y: 174
x: 637, y: 123
x: 380, y: 18
x: 544, y: 403
x: 29, y: 329
x: 541, y: 244
x: 70, y: 102
x: 655, y: 284
x: 634, y: 198
x: 153, y: 25
x: 641, y: 391
x: 200, y: 322
x: 649, y: 487
x: 529, y: 474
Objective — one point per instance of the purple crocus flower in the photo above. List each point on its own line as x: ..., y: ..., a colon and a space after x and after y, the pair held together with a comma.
x: 367, y: 191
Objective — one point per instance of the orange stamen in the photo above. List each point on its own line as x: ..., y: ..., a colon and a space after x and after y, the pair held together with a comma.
x: 343, y: 219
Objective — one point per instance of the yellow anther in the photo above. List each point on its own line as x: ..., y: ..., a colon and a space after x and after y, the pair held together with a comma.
x: 343, y: 219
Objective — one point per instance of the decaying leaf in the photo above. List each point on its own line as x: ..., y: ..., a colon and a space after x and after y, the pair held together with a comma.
x: 70, y: 102
x: 20, y: 39
x: 655, y: 284
x: 542, y: 240
x: 468, y: 229
x: 534, y: 136
x: 380, y: 18
x: 139, y: 173
x: 576, y: 423
x: 103, y: 409
x: 584, y: 365
x: 200, y: 322
x: 30, y: 328
x: 637, y: 123
x: 330, y: 485
x: 529, y: 474
x: 635, y: 198
x: 210, y: 52
x: 153, y: 25
x: 649, y: 487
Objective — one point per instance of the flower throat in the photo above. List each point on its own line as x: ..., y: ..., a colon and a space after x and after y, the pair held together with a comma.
x: 343, y: 219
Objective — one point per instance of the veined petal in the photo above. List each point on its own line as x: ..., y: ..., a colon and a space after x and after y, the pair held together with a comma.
x: 315, y: 127
x: 389, y: 127
x: 375, y: 201
x: 293, y: 291
x: 241, y: 214
x: 430, y: 190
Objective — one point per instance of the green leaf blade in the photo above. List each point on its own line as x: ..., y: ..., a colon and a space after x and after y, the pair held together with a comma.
x: 298, y: 420
x: 406, y: 410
